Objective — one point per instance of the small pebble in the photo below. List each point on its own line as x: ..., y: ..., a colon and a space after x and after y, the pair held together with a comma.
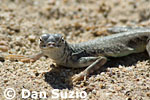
x: 32, y: 38
x: 4, y: 48
x: 21, y: 63
x: 1, y: 64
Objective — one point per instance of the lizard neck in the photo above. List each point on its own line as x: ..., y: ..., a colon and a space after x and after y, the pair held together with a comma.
x: 59, y: 55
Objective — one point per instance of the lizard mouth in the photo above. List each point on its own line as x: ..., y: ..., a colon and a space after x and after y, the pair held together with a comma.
x: 49, y: 45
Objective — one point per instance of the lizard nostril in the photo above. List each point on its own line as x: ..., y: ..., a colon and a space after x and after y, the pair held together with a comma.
x: 51, y: 44
x: 43, y: 45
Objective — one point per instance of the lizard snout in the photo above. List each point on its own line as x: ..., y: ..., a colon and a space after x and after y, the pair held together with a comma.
x: 51, y: 44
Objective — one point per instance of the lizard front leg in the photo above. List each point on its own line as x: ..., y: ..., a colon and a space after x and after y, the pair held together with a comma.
x: 148, y: 48
x: 32, y: 58
x: 100, y: 61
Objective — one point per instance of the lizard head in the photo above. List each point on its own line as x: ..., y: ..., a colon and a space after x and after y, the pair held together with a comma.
x: 51, y: 41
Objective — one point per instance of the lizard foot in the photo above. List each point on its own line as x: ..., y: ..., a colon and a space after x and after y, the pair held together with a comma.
x: 78, y: 77
x: 18, y: 57
x: 27, y: 60
x: 32, y: 58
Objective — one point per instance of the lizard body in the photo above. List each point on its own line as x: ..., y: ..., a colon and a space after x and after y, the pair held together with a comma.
x: 93, y: 54
x: 116, y: 45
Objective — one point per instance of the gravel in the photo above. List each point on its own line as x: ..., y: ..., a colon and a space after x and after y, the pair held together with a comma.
x: 23, y: 21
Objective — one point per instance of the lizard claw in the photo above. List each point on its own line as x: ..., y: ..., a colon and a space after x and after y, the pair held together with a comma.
x: 17, y: 57
x: 32, y: 58
x: 27, y: 60
x: 78, y: 77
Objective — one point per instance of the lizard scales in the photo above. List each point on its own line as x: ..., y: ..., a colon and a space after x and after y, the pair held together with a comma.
x: 115, y: 45
x: 94, y: 53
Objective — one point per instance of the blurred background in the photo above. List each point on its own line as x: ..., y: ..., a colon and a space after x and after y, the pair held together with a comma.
x: 23, y: 21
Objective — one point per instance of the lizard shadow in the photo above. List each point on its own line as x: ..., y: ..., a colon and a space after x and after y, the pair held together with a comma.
x: 59, y: 77
x: 126, y: 61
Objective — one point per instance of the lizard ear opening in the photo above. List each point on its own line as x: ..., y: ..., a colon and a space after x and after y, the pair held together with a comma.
x: 40, y: 39
x: 62, y: 39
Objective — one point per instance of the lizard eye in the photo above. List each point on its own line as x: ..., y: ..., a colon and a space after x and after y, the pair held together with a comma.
x: 40, y: 40
x: 62, y: 39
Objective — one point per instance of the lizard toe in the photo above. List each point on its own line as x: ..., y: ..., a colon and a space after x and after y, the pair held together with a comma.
x: 27, y: 60
x: 78, y: 77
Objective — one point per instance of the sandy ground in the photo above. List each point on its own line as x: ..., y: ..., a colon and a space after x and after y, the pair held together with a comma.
x: 23, y: 21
